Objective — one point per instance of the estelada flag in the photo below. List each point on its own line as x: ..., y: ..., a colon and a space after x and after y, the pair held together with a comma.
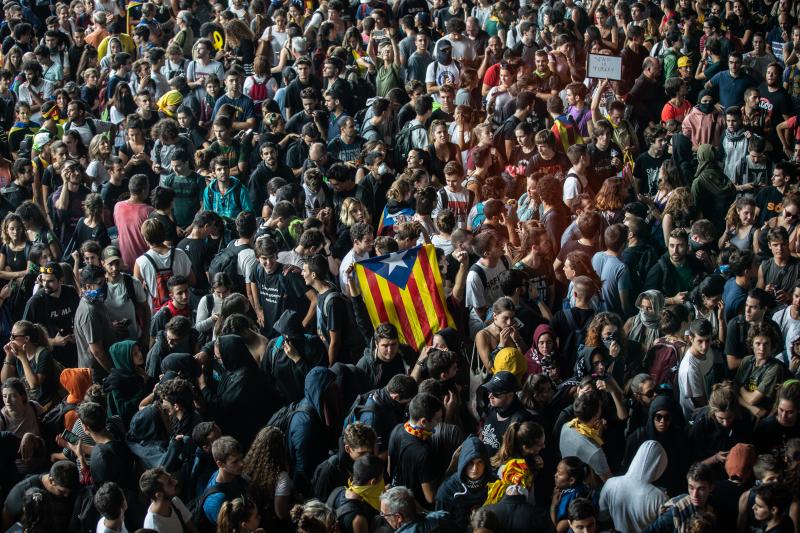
x: 405, y: 289
x: 388, y: 222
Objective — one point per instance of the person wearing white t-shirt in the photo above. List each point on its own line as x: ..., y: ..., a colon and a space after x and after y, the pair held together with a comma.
x: 788, y: 319
x: 109, y: 500
x: 363, y: 239
x: 577, y: 180
x: 483, y: 290
x: 160, y: 257
x: 443, y: 70
x: 167, y: 513
x: 694, y: 367
x: 275, y: 36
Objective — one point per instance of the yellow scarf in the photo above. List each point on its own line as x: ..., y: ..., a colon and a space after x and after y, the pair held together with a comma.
x: 515, y: 472
x: 370, y: 493
x: 420, y: 433
x: 586, y: 430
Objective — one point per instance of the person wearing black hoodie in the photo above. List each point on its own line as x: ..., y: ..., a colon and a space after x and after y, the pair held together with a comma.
x: 386, y: 408
x: 240, y: 400
x: 666, y: 425
x: 466, y: 489
x: 290, y: 356
x: 311, y: 429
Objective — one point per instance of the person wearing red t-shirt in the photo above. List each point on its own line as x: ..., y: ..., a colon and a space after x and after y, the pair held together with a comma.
x: 128, y: 218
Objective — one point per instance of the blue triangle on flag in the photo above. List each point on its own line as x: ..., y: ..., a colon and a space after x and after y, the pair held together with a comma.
x: 396, y: 267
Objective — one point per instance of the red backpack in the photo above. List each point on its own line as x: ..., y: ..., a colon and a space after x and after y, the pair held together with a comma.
x: 662, y: 361
x: 160, y: 296
x: 258, y: 92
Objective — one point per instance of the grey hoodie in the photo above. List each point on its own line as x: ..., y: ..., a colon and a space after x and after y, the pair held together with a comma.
x: 632, y: 501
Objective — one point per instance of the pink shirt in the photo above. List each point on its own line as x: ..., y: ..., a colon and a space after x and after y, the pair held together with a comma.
x: 128, y: 218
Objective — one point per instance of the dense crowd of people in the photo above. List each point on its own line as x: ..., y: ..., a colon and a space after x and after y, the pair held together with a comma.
x: 188, y: 190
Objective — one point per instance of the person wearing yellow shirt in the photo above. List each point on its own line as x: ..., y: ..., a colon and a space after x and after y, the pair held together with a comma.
x: 114, y: 31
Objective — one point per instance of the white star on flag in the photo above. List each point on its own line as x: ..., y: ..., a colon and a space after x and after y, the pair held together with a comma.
x: 395, y: 261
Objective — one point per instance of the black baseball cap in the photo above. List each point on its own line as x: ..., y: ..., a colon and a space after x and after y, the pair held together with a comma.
x: 501, y: 383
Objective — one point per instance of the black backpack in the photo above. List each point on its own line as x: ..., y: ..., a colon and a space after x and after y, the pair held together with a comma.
x: 53, y: 423
x: 403, y: 143
x: 575, y: 337
x: 230, y: 491
x: 227, y: 261
x: 283, y: 416
x: 359, y: 406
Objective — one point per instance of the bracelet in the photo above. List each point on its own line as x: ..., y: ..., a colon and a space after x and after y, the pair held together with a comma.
x: 9, y: 363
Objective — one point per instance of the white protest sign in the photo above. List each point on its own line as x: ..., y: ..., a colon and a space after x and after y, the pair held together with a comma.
x: 604, y: 67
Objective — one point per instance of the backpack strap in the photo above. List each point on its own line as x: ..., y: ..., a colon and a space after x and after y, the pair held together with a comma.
x: 571, y: 320
x: 480, y: 272
x: 179, y: 515
x: 443, y: 196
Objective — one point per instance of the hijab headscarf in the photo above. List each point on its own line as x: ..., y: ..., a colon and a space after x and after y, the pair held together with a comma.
x: 537, y: 362
x: 124, y: 387
x: 645, y: 325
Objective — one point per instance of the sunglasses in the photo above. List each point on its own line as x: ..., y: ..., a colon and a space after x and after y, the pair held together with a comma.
x: 46, y: 270
x: 649, y: 394
x: 662, y: 418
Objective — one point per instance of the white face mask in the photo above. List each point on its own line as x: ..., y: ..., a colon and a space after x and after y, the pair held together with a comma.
x: 383, y: 169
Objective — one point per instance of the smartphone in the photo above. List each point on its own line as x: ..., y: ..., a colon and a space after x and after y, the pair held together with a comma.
x: 69, y: 436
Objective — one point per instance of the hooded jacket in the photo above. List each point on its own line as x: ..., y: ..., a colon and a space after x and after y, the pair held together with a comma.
x: 712, y: 192
x: 235, y: 200
x: 673, y: 479
x: 632, y: 501
x: 76, y: 381
x: 125, y: 388
x: 457, y: 494
x: 240, y: 400
x: 703, y: 128
x: 308, y: 433
x: 734, y: 149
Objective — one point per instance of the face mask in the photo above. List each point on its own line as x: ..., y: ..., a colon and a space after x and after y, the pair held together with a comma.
x: 444, y: 56
x: 705, y: 108
x: 95, y: 295
x: 614, y: 337
x: 383, y: 169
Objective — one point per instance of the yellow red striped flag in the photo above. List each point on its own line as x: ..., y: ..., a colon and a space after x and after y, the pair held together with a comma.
x: 405, y: 289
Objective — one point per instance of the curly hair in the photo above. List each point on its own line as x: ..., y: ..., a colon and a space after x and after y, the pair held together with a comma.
x: 13, y: 217
x: 264, y: 462
x: 680, y: 200
x: 594, y: 330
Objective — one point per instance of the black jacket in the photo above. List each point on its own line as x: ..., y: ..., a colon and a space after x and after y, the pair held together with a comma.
x: 516, y: 515
x: 663, y: 274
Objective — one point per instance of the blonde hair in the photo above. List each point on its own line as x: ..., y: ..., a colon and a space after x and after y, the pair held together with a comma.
x: 399, y: 190
x: 348, y: 206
